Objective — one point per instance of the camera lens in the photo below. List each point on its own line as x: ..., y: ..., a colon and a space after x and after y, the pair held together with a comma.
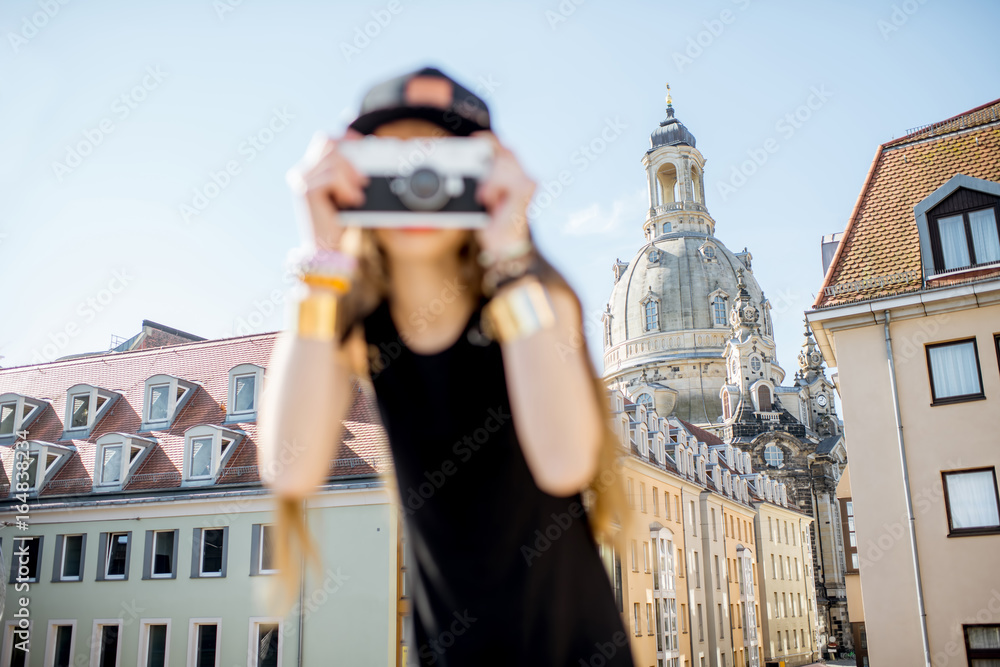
x: 424, y: 183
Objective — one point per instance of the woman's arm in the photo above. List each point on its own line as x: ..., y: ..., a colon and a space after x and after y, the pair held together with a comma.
x: 552, y: 396
x: 308, y: 389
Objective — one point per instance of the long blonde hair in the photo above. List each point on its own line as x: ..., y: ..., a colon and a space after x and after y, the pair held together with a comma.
x: 604, y: 498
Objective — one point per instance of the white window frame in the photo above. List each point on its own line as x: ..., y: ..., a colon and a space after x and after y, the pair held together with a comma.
x: 255, y: 622
x: 923, y: 207
x: 21, y: 420
x: 43, y: 472
x: 260, y: 550
x: 144, y: 624
x: 174, y: 402
x: 236, y: 373
x: 201, y: 553
x: 95, y: 639
x: 50, y: 640
x: 8, y: 640
x: 18, y: 541
x: 94, y: 413
x: 107, y: 555
x: 152, y: 563
x: 219, y: 435
x: 129, y: 443
x: 193, y: 639
x: 650, y: 298
x: 719, y: 294
x: 62, y: 558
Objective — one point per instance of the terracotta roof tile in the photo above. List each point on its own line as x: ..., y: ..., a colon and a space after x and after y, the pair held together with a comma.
x: 363, y: 448
x: 879, y: 254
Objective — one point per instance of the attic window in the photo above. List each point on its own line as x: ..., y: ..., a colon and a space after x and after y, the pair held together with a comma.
x: 17, y: 412
x: 207, y: 448
x: 245, y: 383
x: 85, y: 405
x: 44, y: 460
x: 119, y: 455
x: 165, y: 396
x: 959, y: 226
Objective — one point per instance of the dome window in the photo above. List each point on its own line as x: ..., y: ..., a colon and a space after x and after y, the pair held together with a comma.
x: 773, y: 456
x: 755, y: 364
x: 718, y: 302
x: 651, y: 310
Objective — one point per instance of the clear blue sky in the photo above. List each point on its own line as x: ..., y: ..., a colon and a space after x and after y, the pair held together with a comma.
x: 92, y: 246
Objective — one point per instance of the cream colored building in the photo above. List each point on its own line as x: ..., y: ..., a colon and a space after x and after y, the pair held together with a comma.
x: 786, y: 584
x: 909, y: 313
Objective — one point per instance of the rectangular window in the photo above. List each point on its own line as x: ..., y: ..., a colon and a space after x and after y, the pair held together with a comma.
x: 774, y: 568
x: 33, y: 546
x: 206, y: 644
x: 649, y: 618
x: 656, y: 502
x: 266, y: 562
x: 645, y: 556
x: 642, y: 496
x: 684, y: 618
x: 111, y: 464
x: 701, y: 625
x: 954, y: 372
x: 982, y: 644
x: 107, y: 647
x: 694, y: 521
x: 266, y: 646
x: 972, y: 501
x: 153, y: 644
x: 211, y: 552
x: 81, y: 408
x: 163, y: 553
x: 635, y: 619
x: 630, y: 490
x: 159, y: 396
x: 722, y: 627
x: 62, y: 646
x: 7, y: 413
x: 696, y: 568
x: 117, y: 550
x: 715, y: 530
x: 245, y: 387
x: 666, y: 501
x: 718, y: 575
x: 967, y: 238
x: 201, y: 457
x: 71, y: 560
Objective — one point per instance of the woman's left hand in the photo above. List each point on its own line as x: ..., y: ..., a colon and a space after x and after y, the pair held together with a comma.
x: 506, y: 193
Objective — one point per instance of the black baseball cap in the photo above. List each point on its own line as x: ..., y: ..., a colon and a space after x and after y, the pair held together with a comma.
x: 427, y: 93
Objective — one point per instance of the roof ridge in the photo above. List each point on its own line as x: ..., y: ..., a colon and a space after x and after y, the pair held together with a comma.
x: 910, y: 136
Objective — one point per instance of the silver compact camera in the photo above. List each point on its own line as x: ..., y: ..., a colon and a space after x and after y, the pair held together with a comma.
x: 425, y: 182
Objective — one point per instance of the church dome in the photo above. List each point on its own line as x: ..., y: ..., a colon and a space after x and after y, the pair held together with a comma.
x: 684, y: 271
x: 671, y: 132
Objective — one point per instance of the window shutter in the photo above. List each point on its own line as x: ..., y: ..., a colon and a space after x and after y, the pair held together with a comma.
x: 225, y: 548
x: 147, y: 559
x: 102, y: 556
x: 255, y: 549
x: 57, y: 558
x: 195, y: 553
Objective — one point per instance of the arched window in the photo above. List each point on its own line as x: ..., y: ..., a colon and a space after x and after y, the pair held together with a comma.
x: 666, y: 177
x: 719, y: 310
x: 666, y: 227
x: 652, y: 320
x: 696, y: 185
x: 607, y: 332
x: 763, y: 399
x: 773, y: 456
x: 725, y: 405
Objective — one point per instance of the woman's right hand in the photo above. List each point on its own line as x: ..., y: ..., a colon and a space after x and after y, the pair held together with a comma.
x: 324, y: 180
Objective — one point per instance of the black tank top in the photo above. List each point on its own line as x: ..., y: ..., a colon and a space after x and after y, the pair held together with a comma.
x: 503, y: 573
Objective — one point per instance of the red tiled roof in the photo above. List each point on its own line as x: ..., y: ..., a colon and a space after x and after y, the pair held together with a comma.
x: 881, y: 244
x: 363, y: 449
x: 702, y: 434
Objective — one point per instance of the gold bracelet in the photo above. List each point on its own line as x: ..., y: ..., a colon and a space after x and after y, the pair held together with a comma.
x: 317, y: 318
x: 519, y: 311
x: 336, y: 283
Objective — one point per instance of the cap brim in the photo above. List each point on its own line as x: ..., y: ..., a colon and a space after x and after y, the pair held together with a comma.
x: 444, y: 118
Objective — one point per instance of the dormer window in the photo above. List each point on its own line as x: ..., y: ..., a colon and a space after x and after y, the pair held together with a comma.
x: 17, y: 412
x: 85, y: 406
x: 207, y: 448
x: 245, y: 383
x: 165, y: 396
x: 651, y: 311
x: 44, y: 460
x: 119, y: 455
x: 959, y: 225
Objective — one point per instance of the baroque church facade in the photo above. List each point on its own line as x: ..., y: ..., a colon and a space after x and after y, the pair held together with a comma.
x: 688, y: 332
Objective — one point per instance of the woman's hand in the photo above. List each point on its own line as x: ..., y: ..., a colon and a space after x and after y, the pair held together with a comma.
x: 506, y: 194
x: 324, y: 180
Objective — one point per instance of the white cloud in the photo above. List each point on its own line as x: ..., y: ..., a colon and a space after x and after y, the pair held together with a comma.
x: 598, y: 219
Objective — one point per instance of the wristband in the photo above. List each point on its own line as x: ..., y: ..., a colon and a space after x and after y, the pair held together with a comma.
x: 519, y: 312
x: 317, y: 316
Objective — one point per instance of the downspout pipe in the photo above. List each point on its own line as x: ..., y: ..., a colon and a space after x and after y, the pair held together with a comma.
x: 906, y: 491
